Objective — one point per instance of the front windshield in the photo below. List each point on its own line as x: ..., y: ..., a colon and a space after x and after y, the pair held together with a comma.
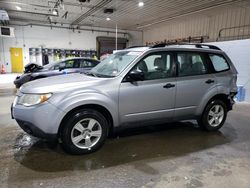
x: 114, y: 64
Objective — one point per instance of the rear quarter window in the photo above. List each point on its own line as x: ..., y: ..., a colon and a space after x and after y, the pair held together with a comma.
x: 219, y: 62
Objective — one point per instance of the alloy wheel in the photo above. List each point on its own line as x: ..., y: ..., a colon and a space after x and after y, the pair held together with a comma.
x: 216, y: 115
x: 86, y: 133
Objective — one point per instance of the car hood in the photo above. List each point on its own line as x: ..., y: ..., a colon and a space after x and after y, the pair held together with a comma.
x: 62, y: 83
x: 35, y: 72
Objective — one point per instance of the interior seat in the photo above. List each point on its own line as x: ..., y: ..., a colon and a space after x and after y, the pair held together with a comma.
x: 143, y: 66
x: 197, y: 68
x: 185, y: 69
x: 159, y: 64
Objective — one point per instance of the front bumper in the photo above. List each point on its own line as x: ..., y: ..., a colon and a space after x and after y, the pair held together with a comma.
x: 35, y: 131
x: 41, y: 120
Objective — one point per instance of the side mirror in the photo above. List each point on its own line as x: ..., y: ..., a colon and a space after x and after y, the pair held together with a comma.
x: 136, y: 75
x: 61, y: 66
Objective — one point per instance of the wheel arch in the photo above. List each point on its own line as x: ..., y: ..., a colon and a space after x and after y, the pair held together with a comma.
x: 221, y: 96
x: 224, y: 98
x: 104, y: 111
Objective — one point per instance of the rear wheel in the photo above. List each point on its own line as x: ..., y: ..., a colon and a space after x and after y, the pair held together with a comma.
x: 84, y: 132
x: 213, y: 116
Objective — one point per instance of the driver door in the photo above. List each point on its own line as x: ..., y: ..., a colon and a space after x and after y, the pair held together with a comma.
x: 154, y: 97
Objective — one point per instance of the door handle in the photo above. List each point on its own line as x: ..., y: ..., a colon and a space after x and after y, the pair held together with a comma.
x: 209, y: 81
x: 168, y: 86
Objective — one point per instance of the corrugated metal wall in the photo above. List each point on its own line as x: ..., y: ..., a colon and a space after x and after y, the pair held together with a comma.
x: 219, y: 24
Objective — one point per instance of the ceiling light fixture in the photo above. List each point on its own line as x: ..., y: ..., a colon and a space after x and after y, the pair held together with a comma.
x: 54, y: 12
x: 108, y: 19
x: 18, y: 8
x: 140, y: 4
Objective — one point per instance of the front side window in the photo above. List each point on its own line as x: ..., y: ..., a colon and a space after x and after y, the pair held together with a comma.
x: 71, y: 64
x: 56, y: 67
x: 219, y: 63
x: 66, y: 64
x: 191, y: 64
x: 156, y: 66
x: 86, y: 64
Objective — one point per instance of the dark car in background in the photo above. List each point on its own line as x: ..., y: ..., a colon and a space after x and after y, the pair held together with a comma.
x: 70, y: 65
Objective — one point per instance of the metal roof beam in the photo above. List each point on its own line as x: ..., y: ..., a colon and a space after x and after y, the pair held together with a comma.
x: 94, y: 9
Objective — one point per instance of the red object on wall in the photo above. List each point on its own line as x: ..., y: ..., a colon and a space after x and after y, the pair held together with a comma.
x: 2, y: 70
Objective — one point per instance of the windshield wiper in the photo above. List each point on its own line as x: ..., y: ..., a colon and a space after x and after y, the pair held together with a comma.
x: 90, y: 74
x: 104, y: 76
x: 98, y: 75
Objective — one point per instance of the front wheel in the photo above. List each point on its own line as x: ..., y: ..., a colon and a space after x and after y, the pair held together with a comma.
x: 84, y: 132
x: 213, y: 116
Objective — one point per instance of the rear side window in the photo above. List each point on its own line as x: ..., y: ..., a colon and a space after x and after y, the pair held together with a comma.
x: 191, y: 64
x: 219, y: 63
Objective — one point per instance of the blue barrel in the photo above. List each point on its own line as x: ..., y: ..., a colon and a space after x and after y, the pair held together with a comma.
x: 241, y: 94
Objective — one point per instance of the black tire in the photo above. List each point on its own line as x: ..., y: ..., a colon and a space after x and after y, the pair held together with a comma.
x: 204, y: 120
x: 76, y: 117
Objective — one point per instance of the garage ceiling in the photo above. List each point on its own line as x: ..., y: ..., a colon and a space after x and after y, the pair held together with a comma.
x: 127, y: 14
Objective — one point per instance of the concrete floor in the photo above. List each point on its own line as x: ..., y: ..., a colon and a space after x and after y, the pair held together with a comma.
x: 171, y: 155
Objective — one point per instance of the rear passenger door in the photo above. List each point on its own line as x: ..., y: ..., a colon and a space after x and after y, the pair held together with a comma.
x: 194, y: 81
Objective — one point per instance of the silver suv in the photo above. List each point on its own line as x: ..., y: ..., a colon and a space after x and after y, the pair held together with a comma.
x: 142, y: 85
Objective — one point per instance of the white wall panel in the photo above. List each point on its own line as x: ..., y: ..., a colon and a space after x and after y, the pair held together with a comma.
x: 34, y: 37
x: 239, y: 51
x: 206, y: 23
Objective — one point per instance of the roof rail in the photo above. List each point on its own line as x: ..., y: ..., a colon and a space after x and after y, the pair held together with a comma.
x: 207, y: 45
x: 135, y: 47
x: 161, y: 45
x: 197, y: 45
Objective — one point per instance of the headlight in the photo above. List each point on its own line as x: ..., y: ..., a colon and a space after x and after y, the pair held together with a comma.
x: 33, y: 99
